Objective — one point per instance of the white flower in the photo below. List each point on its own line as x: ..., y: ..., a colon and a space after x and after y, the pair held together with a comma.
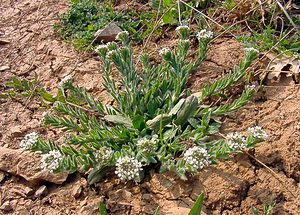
x: 182, y: 27
x: 65, y: 80
x: 50, y: 161
x: 164, y: 51
x: 110, y: 53
x: 45, y: 113
x: 56, y: 103
x: 128, y: 168
x: 250, y: 87
x: 258, y: 132
x: 204, y: 34
x: 251, y: 49
x: 148, y: 145
x: 101, y: 47
x: 29, y: 140
x: 121, y: 35
x: 103, y: 154
x: 236, y: 141
x: 197, y: 157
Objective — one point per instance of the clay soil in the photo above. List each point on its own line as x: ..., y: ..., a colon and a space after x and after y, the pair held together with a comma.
x: 231, y: 187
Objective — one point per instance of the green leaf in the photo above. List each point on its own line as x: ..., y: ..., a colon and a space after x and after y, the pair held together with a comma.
x: 177, y: 107
x: 254, y: 211
x: 118, y: 119
x: 187, y: 110
x: 96, y: 175
x: 139, y: 122
x: 156, y: 211
x: 196, y: 209
x: 102, y: 209
x: 47, y: 96
x: 163, y: 119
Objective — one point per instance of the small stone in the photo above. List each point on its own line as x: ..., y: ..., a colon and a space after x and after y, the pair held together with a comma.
x: 77, y: 190
x: 3, y: 68
x: 42, y: 191
x: 6, y: 206
x: 107, y: 34
x: 28, y: 191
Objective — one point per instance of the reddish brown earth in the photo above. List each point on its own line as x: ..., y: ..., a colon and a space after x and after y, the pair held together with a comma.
x: 231, y: 187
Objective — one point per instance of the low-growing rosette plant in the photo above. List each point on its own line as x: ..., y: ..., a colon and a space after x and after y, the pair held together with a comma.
x: 155, y: 120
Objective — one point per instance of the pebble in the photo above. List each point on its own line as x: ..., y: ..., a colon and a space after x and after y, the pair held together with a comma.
x: 28, y: 191
x: 77, y: 190
x: 107, y: 34
x: 42, y: 191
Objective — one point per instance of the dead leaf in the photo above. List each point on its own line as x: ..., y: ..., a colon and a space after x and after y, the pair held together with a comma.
x: 287, y: 65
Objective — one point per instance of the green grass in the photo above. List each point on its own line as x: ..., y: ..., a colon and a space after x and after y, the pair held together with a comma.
x: 269, y: 37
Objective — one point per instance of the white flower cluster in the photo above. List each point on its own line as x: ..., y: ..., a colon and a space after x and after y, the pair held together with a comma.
x: 50, y: 161
x: 148, y: 145
x: 164, y: 51
x: 104, y: 154
x: 250, y: 87
x: 197, y: 157
x: 110, y: 53
x: 236, y: 141
x: 204, y: 34
x: 101, y: 48
x: 258, y: 132
x: 182, y: 27
x: 121, y: 35
x: 128, y: 168
x: 29, y: 140
x: 64, y: 80
x: 251, y: 49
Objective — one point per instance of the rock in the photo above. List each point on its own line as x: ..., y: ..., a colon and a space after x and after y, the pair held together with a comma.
x: 3, y: 68
x: 77, y: 190
x: 6, y: 206
x: 42, y: 191
x: 27, y: 165
x: 107, y: 34
x: 28, y: 191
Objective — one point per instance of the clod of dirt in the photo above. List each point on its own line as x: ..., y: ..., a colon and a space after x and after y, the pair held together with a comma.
x: 107, y: 34
x: 27, y: 165
x: 3, y: 68
x: 6, y: 206
x: 42, y: 191
x: 16, y: 131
